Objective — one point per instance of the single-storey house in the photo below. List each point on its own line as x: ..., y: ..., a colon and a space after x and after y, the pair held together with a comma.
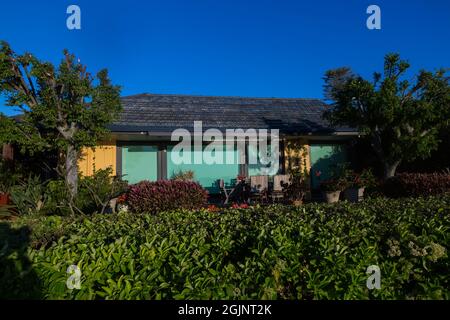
x: 141, y: 146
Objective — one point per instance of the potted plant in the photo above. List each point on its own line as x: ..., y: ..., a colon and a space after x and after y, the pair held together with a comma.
x: 331, y: 190
x: 356, y: 183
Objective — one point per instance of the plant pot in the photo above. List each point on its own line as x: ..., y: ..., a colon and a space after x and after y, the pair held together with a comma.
x: 121, y: 207
x: 354, y: 194
x: 4, y: 199
x: 297, y: 202
x: 331, y: 196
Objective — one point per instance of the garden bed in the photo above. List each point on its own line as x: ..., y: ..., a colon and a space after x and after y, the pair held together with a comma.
x: 315, y: 251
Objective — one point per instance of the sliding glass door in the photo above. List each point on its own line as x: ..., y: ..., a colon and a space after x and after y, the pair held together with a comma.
x: 206, y: 174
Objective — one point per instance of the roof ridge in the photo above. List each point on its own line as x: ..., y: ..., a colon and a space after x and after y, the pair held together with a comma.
x: 213, y: 96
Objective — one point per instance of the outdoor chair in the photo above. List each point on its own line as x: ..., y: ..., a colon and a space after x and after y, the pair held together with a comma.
x: 259, y: 186
x: 279, y: 181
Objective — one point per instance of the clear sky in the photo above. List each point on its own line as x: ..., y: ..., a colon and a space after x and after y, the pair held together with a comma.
x: 225, y: 47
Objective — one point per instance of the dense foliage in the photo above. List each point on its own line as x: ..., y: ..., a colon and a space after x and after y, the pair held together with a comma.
x: 31, y: 195
x: 64, y: 108
x: 165, y: 195
x: 402, y: 118
x: 417, y: 184
x: 314, y: 251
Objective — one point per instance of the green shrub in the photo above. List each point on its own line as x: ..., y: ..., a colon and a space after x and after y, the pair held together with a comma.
x: 52, y: 197
x: 97, y: 191
x: 29, y: 196
x: 153, y: 197
x: 315, y: 251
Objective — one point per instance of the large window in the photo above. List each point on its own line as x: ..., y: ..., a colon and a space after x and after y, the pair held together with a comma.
x: 206, y: 174
x: 139, y: 163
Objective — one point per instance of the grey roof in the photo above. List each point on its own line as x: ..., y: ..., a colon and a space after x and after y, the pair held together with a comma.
x: 164, y: 113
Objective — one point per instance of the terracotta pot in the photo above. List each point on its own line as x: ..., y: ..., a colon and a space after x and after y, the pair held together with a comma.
x: 4, y: 199
x: 354, y: 194
x: 331, y: 196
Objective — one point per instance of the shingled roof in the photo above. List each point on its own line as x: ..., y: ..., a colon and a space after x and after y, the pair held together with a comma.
x: 164, y: 113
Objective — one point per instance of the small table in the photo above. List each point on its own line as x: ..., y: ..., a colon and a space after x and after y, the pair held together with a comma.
x: 231, y: 192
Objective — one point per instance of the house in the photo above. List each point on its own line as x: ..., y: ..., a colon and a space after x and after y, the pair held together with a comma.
x: 141, y: 147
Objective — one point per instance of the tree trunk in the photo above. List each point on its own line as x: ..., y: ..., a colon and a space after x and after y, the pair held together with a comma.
x: 72, y: 171
x: 390, y: 168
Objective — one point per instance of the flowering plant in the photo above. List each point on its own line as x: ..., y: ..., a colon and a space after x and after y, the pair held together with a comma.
x: 362, y: 180
x: 213, y: 208
x: 122, y: 199
x: 239, y: 206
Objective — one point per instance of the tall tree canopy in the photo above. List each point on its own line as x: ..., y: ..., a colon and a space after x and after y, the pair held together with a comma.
x: 401, y: 117
x: 64, y: 108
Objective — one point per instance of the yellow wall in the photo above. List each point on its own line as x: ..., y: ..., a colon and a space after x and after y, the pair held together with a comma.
x: 296, y: 155
x: 101, y: 157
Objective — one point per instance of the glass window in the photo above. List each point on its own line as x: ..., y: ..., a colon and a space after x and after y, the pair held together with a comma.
x: 139, y: 163
x: 206, y: 174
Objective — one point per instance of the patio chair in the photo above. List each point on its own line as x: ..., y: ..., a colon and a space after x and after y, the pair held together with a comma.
x: 259, y: 188
x: 278, y: 190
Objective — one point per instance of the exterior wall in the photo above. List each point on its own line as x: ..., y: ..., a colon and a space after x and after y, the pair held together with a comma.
x: 297, y: 155
x: 101, y: 157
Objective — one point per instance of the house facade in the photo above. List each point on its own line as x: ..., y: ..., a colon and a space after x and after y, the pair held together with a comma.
x: 142, y: 146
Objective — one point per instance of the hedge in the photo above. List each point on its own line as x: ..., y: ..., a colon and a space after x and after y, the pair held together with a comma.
x: 315, y: 251
x: 417, y: 184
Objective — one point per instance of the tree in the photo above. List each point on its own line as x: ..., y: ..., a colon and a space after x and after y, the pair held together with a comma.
x: 401, y: 118
x: 63, y: 108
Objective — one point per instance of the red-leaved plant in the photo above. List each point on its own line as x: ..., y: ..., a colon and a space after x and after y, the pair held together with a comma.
x: 165, y: 195
x: 417, y: 184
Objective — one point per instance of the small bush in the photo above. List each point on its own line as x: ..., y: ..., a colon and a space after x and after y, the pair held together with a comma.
x: 52, y: 197
x: 166, y: 195
x: 100, y: 188
x: 417, y: 184
x: 184, y: 175
x: 28, y: 195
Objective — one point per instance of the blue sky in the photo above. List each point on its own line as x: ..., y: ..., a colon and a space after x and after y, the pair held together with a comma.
x: 233, y: 48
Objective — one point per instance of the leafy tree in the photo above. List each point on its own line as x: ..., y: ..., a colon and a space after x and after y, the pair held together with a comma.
x: 64, y: 108
x: 402, y: 118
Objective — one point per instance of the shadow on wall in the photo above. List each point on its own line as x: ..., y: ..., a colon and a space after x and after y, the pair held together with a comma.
x: 326, y: 162
x: 18, y: 279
